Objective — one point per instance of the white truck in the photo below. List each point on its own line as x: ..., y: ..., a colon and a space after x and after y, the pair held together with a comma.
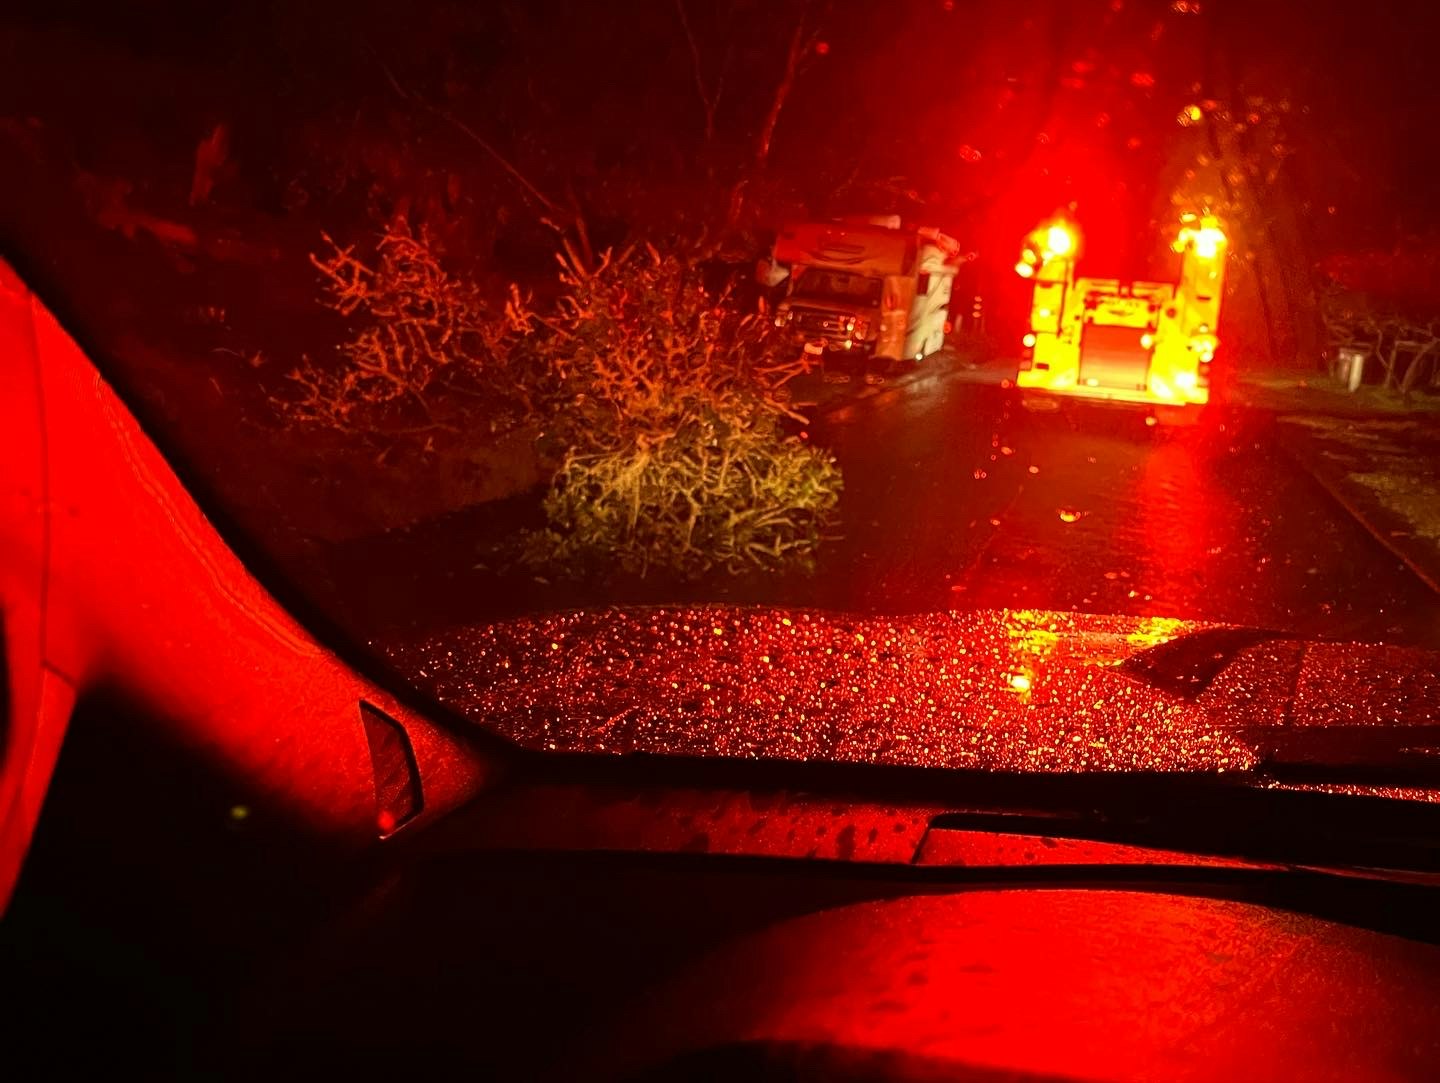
x: 866, y: 286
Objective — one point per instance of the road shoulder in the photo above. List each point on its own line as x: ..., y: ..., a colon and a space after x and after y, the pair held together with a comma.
x: 1385, y: 473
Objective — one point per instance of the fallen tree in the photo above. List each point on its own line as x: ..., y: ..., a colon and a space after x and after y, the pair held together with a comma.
x: 671, y: 414
x: 663, y: 403
x: 427, y: 353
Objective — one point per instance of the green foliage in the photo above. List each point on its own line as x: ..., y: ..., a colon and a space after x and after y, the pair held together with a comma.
x: 671, y: 409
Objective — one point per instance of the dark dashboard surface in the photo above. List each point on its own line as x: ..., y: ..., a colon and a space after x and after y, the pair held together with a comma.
x: 195, y: 945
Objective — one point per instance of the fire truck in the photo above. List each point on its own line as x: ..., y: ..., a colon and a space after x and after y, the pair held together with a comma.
x: 1133, y: 342
x: 865, y: 286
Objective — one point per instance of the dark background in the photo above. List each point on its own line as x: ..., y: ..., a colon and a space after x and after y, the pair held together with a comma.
x: 504, y: 129
x: 980, y: 117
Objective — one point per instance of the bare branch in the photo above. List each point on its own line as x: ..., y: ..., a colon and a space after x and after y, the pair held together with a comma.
x: 546, y: 203
x: 801, y: 41
x: 423, y: 330
x: 708, y: 100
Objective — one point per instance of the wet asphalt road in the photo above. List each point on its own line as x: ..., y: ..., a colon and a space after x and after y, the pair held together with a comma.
x: 959, y: 498
x: 978, y: 502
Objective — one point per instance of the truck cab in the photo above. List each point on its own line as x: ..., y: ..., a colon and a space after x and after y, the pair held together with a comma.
x: 866, y: 286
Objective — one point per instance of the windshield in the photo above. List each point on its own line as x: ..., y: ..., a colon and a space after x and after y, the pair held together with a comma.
x: 818, y: 285
x: 464, y: 314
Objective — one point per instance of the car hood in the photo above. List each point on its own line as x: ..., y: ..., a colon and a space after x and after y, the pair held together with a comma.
x: 1001, y: 690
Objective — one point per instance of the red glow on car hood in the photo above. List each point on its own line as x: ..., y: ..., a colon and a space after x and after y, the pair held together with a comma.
x: 1013, y: 691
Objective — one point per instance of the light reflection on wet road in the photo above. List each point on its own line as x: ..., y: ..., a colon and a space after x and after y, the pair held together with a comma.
x: 958, y: 498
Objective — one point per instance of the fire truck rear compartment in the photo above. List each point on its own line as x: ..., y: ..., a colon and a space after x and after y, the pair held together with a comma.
x: 1114, y: 357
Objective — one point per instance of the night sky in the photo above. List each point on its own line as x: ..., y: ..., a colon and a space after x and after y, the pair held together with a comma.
x: 957, y: 104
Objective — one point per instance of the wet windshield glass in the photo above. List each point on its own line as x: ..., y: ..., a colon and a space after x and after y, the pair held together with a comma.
x: 819, y: 285
x: 469, y: 313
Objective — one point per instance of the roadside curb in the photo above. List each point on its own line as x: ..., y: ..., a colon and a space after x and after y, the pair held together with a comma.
x: 1305, y: 453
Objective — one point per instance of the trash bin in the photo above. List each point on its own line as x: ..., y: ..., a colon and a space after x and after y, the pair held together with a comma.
x: 1350, y: 367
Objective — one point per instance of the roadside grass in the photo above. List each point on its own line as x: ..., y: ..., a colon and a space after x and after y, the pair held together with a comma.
x: 1411, y: 496
x: 1388, y: 465
x: 1318, y: 393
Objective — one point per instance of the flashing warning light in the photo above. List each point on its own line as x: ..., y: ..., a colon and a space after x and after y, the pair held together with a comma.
x: 1203, y: 343
x: 1029, y: 340
x: 1025, y: 270
x: 1208, y: 241
x: 1147, y: 340
x: 1185, y: 381
x: 1059, y: 241
x: 1207, y: 237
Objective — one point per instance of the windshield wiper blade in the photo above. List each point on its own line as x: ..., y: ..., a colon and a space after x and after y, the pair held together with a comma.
x: 1381, y: 755
x: 1187, y: 665
x: 1255, y: 821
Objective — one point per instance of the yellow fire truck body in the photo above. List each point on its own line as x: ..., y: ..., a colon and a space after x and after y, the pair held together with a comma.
x: 1103, y: 338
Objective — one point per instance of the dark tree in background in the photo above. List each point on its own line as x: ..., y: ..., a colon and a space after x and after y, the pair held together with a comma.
x: 171, y: 167
x: 647, y: 116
